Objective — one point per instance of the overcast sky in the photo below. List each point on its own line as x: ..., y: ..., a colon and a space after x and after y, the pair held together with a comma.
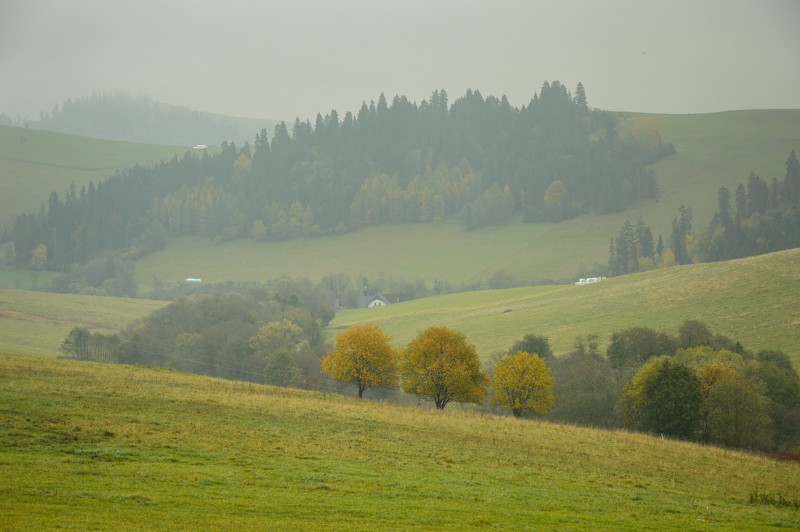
x: 284, y: 59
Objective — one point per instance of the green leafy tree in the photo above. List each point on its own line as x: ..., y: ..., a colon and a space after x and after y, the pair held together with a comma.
x: 664, y: 397
x: 535, y: 344
x: 523, y: 383
x: 636, y: 345
x: 363, y: 356
x: 439, y: 365
x: 739, y: 414
x: 278, y: 343
x: 586, y: 386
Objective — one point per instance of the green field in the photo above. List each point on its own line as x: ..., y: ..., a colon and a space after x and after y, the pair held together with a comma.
x: 35, y: 163
x: 753, y: 300
x: 37, y: 322
x: 713, y: 150
x: 90, y: 446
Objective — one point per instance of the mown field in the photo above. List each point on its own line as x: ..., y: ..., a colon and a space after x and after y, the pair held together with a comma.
x: 90, y: 446
x: 753, y: 300
x: 37, y: 322
x: 35, y: 163
x: 713, y: 150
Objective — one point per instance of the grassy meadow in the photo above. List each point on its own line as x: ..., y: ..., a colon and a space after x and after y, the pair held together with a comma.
x: 90, y: 446
x: 35, y: 163
x: 712, y: 150
x: 37, y: 322
x: 753, y: 300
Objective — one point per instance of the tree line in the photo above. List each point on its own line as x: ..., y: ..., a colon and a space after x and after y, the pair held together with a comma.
x: 760, y: 217
x: 478, y: 159
x: 698, y: 385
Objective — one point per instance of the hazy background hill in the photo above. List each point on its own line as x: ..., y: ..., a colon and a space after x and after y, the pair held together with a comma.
x: 119, y: 116
x: 34, y: 163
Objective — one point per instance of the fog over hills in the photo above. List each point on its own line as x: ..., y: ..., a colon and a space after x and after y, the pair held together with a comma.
x: 282, y: 60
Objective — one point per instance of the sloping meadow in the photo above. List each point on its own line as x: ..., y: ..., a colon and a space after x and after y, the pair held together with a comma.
x: 86, y: 445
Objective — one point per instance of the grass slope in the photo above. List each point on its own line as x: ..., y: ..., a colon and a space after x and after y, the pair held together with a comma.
x: 713, y: 150
x: 47, y: 162
x: 753, y: 300
x: 38, y: 322
x: 89, y: 446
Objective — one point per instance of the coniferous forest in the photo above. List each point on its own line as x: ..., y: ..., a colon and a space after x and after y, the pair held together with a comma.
x: 477, y: 159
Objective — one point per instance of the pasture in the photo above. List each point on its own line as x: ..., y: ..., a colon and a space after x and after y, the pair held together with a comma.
x: 38, y: 322
x: 752, y: 300
x: 95, y: 446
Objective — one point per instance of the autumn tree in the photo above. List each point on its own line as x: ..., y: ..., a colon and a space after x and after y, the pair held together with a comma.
x: 441, y: 366
x: 364, y: 357
x: 38, y: 258
x: 523, y: 383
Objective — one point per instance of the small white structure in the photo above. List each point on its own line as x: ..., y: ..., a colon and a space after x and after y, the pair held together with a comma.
x: 588, y: 280
x: 200, y: 147
x: 193, y: 280
x: 377, y: 302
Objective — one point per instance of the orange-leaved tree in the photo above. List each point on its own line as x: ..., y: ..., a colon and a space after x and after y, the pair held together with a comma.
x: 441, y: 366
x: 363, y: 356
x: 523, y: 383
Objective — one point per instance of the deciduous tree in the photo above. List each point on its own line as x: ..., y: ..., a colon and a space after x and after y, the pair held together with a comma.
x: 523, y: 383
x: 363, y: 356
x: 441, y: 366
x: 663, y: 397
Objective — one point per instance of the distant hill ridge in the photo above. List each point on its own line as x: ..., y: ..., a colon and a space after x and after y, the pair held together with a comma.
x: 118, y: 116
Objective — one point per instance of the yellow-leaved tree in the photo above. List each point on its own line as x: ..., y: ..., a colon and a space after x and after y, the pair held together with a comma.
x: 363, y: 356
x: 523, y: 383
x: 441, y: 366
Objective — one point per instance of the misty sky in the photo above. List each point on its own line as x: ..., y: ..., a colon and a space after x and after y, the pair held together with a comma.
x: 284, y: 59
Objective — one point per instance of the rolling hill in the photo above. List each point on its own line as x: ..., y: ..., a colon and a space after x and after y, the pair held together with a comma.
x: 37, y: 322
x: 712, y: 150
x: 752, y: 300
x: 35, y: 163
x: 90, y: 446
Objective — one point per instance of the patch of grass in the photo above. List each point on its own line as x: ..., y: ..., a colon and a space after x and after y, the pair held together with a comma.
x: 37, y: 322
x: 196, y: 452
x: 752, y: 300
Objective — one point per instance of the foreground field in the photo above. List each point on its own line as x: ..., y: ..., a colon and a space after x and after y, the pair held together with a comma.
x: 37, y: 322
x: 86, y: 446
x: 752, y: 300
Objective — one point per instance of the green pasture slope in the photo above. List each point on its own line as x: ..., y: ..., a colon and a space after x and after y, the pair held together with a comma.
x: 37, y: 322
x: 35, y: 163
x: 753, y: 300
x: 713, y: 150
x: 91, y: 446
